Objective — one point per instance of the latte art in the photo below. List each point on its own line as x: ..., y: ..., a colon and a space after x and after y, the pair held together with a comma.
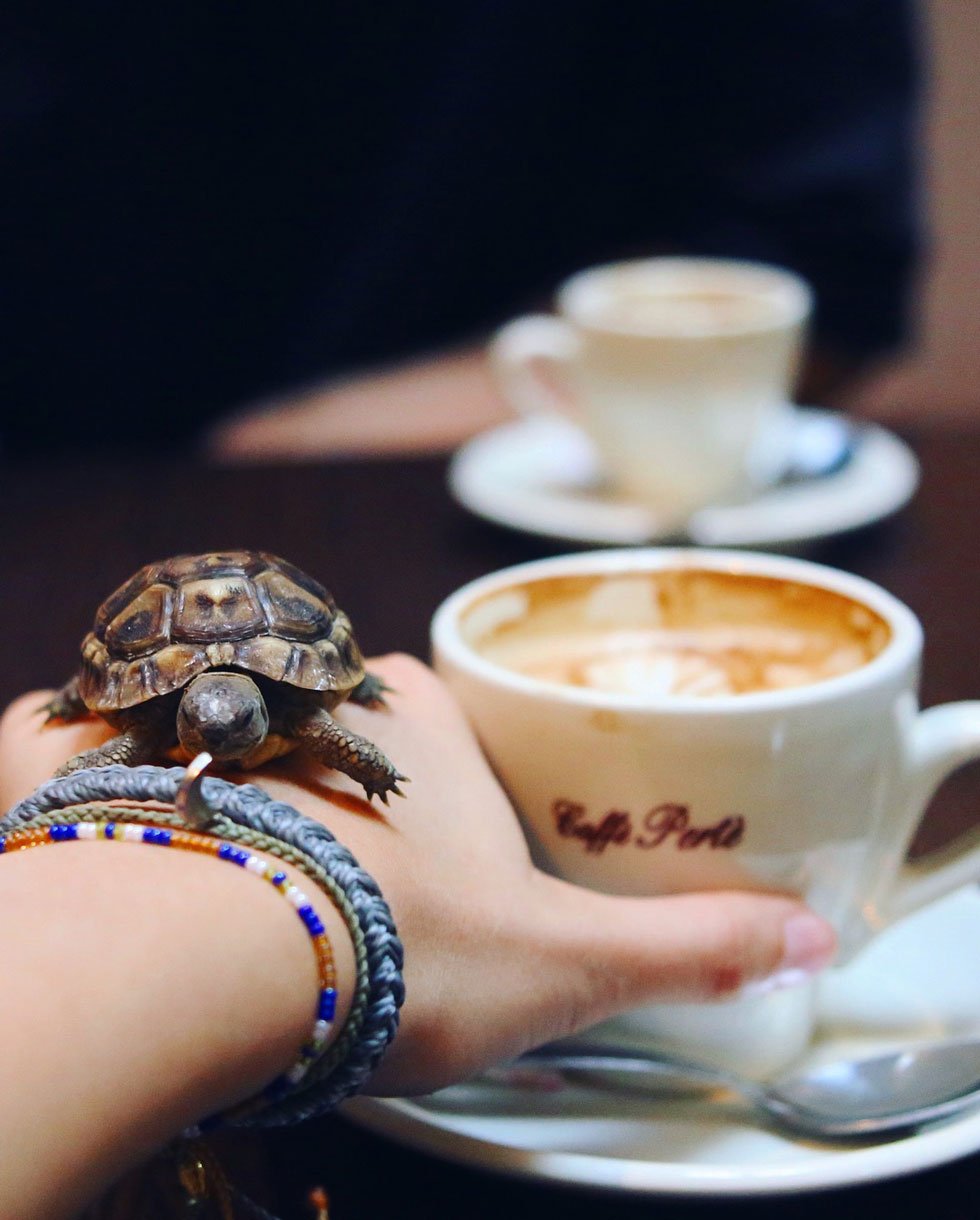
x: 686, y: 633
x: 713, y: 661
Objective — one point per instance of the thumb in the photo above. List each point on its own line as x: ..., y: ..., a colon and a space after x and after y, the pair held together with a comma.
x: 623, y: 952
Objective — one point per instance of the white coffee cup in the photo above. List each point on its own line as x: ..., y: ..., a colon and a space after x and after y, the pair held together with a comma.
x: 679, y: 370
x: 807, y: 773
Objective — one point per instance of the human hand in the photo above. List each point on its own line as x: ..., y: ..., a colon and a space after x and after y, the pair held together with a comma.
x: 499, y: 956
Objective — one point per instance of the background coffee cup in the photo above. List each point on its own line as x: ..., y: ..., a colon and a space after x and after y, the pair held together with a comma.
x: 815, y: 789
x: 679, y: 370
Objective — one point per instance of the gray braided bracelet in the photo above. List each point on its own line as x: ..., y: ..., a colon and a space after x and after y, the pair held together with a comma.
x: 225, y: 829
x: 248, y: 806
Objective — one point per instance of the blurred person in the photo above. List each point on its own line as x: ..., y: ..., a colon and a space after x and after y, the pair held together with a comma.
x: 327, y: 210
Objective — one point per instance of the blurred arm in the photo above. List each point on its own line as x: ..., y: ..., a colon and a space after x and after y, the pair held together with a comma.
x: 428, y: 407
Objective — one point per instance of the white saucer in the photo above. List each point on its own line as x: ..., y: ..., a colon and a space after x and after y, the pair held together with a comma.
x: 918, y: 981
x: 540, y: 475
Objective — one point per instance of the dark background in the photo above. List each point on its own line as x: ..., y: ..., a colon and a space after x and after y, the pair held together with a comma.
x: 204, y: 204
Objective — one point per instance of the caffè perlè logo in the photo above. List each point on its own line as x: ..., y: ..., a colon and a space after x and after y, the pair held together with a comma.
x: 666, y: 825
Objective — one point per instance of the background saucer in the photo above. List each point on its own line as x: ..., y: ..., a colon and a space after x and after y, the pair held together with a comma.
x: 539, y: 475
x: 917, y: 981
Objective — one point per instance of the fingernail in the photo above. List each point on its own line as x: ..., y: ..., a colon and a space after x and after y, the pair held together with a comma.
x: 778, y: 981
x: 809, y: 944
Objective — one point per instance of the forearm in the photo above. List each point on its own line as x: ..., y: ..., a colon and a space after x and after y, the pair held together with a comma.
x: 146, y: 989
x: 427, y: 407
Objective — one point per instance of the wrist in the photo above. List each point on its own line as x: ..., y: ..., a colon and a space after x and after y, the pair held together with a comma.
x: 159, y: 986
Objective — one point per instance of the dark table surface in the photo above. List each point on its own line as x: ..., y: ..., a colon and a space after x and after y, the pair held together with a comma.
x: 386, y: 538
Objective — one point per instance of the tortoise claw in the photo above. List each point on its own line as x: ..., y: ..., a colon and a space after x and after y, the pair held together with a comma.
x: 370, y: 692
x: 382, y: 791
x: 371, y: 792
x: 65, y: 705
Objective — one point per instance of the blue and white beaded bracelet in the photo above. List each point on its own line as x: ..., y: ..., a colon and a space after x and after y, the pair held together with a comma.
x: 248, y: 807
x: 202, y: 844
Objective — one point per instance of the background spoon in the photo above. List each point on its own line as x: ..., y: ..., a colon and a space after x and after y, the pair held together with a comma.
x: 822, y: 444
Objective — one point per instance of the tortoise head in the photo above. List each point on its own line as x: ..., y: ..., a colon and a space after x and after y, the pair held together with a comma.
x: 224, y: 714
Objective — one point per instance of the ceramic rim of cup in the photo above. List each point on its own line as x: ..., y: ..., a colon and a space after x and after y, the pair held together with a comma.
x: 901, y: 651
x: 587, y: 294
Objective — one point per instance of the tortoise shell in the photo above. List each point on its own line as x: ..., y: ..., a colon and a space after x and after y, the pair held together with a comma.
x: 247, y: 609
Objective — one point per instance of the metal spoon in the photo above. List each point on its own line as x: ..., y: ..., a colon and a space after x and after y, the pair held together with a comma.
x: 862, y: 1097
x: 822, y: 445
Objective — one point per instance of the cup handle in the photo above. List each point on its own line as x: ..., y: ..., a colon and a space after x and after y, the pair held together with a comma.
x: 520, y: 346
x: 942, y: 739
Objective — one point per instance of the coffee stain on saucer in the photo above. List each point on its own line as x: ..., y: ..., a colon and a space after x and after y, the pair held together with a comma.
x: 606, y: 721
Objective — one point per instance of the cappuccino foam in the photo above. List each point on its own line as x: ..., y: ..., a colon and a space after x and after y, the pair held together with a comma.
x: 684, y: 632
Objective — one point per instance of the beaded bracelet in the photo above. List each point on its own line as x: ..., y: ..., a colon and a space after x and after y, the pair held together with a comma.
x: 187, y: 840
x: 150, y: 814
x: 248, y: 807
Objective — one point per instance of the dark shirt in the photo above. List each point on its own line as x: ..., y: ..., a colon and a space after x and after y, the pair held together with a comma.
x: 202, y: 207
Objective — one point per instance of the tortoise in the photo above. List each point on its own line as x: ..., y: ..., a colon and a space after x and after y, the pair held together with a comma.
x: 236, y: 653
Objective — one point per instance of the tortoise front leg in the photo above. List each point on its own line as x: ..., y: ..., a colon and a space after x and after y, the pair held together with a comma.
x: 131, y: 747
x: 66, y: 704
x: 335, y: 746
